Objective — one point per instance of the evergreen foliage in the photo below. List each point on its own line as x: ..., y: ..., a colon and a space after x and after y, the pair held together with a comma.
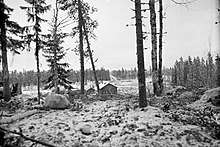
x: 61, y: 67
x: 195, y: 73
x: 29, y: 78
x: 80, y: 11
x: 8, y: 30
x: 54, y: 53
x: 36, y: 8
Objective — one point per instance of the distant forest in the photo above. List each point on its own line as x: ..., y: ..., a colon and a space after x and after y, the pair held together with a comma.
x: 122, y: 74
x: 28, y: 78
x: 192, y: 73
x: 196, y: 72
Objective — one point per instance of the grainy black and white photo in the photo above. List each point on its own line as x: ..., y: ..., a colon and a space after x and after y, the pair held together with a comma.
x: 109, y: 73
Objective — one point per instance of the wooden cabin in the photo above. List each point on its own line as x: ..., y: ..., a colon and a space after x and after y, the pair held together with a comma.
x: 108, y: 89
x: 91, y: 90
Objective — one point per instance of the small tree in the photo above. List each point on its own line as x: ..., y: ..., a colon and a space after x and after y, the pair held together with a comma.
x: 34, y: 11
x: 54, y: 53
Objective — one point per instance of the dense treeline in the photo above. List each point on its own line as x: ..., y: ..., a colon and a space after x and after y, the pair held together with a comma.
x: 195, y: 72
x: 28, y: 78
x: 124, y: 73
x: 102, y: 75
x: 132, y: 73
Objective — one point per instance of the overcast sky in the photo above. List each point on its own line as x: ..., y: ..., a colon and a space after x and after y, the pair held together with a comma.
x: 190, y: 31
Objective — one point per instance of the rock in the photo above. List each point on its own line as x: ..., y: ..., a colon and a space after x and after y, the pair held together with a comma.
x: 212, y: 95
x: 175, y: 90
x: 215, y: 100
x: 86, y: 129
x: 56, y: 101
x: 186, y: 95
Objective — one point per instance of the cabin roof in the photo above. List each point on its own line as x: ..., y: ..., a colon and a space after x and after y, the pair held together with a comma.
x: 102, y: 85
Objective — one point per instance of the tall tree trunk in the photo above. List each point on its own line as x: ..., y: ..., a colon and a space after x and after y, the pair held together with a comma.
x: 6, y: 84
x: 55, y: 70
x: 218, y: 71
x: 160, y: 75
x: 154, y: 46
x: 37, y: 54
x: 82, y: 71
x: 140, y: 55
x: 91, y: 57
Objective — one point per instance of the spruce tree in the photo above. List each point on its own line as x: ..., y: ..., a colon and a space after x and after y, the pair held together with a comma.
x: 34, y: 11
x: 54, y: 53
x: 8, y: 30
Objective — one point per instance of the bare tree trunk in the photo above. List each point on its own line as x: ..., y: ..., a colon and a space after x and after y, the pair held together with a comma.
x: 91, y: 58
x: 55, y: 72
x: 160, y: 76
x: 37, y: 55
x: 140, y: 55
x: 82, y: 72
x: 6, y: 84
x: 38, y: 72
x: 154, y: 46
x: 218, y: 71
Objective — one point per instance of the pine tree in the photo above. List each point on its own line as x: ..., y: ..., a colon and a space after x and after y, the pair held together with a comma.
x: 140, y: 55
x: 210, y: 70
x: 185, y: 73
x: 203, y: 72
x: 79, y: 12
x: 154, y: 46
x: 190, y: 74
x: 160, y: 75
x: 91, y: 57
x: 217, y: 71
x: 34, y: 11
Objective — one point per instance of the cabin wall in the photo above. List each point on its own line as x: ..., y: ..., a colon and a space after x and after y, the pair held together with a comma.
x: 109, y: 89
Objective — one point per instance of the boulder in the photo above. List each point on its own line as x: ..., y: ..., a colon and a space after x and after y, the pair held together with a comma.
x: 56, y: 101
x: 86, y: 129
x: 177, y: 89
x: 186, y: 95
x: 212, y: 96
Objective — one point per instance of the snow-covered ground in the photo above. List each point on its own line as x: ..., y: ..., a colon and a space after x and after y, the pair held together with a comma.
x: 117, y: 122
x: 111, y: 123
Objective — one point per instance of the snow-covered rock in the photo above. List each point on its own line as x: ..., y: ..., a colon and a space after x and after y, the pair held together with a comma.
x: 175, y: 90
x: 212, y: 95
x: 86, y: 129
x: 56, y: 101
x: 187, y: 94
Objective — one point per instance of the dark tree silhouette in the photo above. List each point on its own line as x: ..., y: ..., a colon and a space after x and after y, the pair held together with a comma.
x: 34, y: 11
x: 140, y: 55
x: 8, y: 30
x: 160, y: 75
x: 154, y: 46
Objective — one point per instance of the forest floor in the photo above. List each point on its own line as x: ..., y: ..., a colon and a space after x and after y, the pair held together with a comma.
x: 117, y: 121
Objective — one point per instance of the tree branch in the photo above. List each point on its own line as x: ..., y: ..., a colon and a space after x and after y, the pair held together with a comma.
x: 184, y: 2
x: 27, y: 138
